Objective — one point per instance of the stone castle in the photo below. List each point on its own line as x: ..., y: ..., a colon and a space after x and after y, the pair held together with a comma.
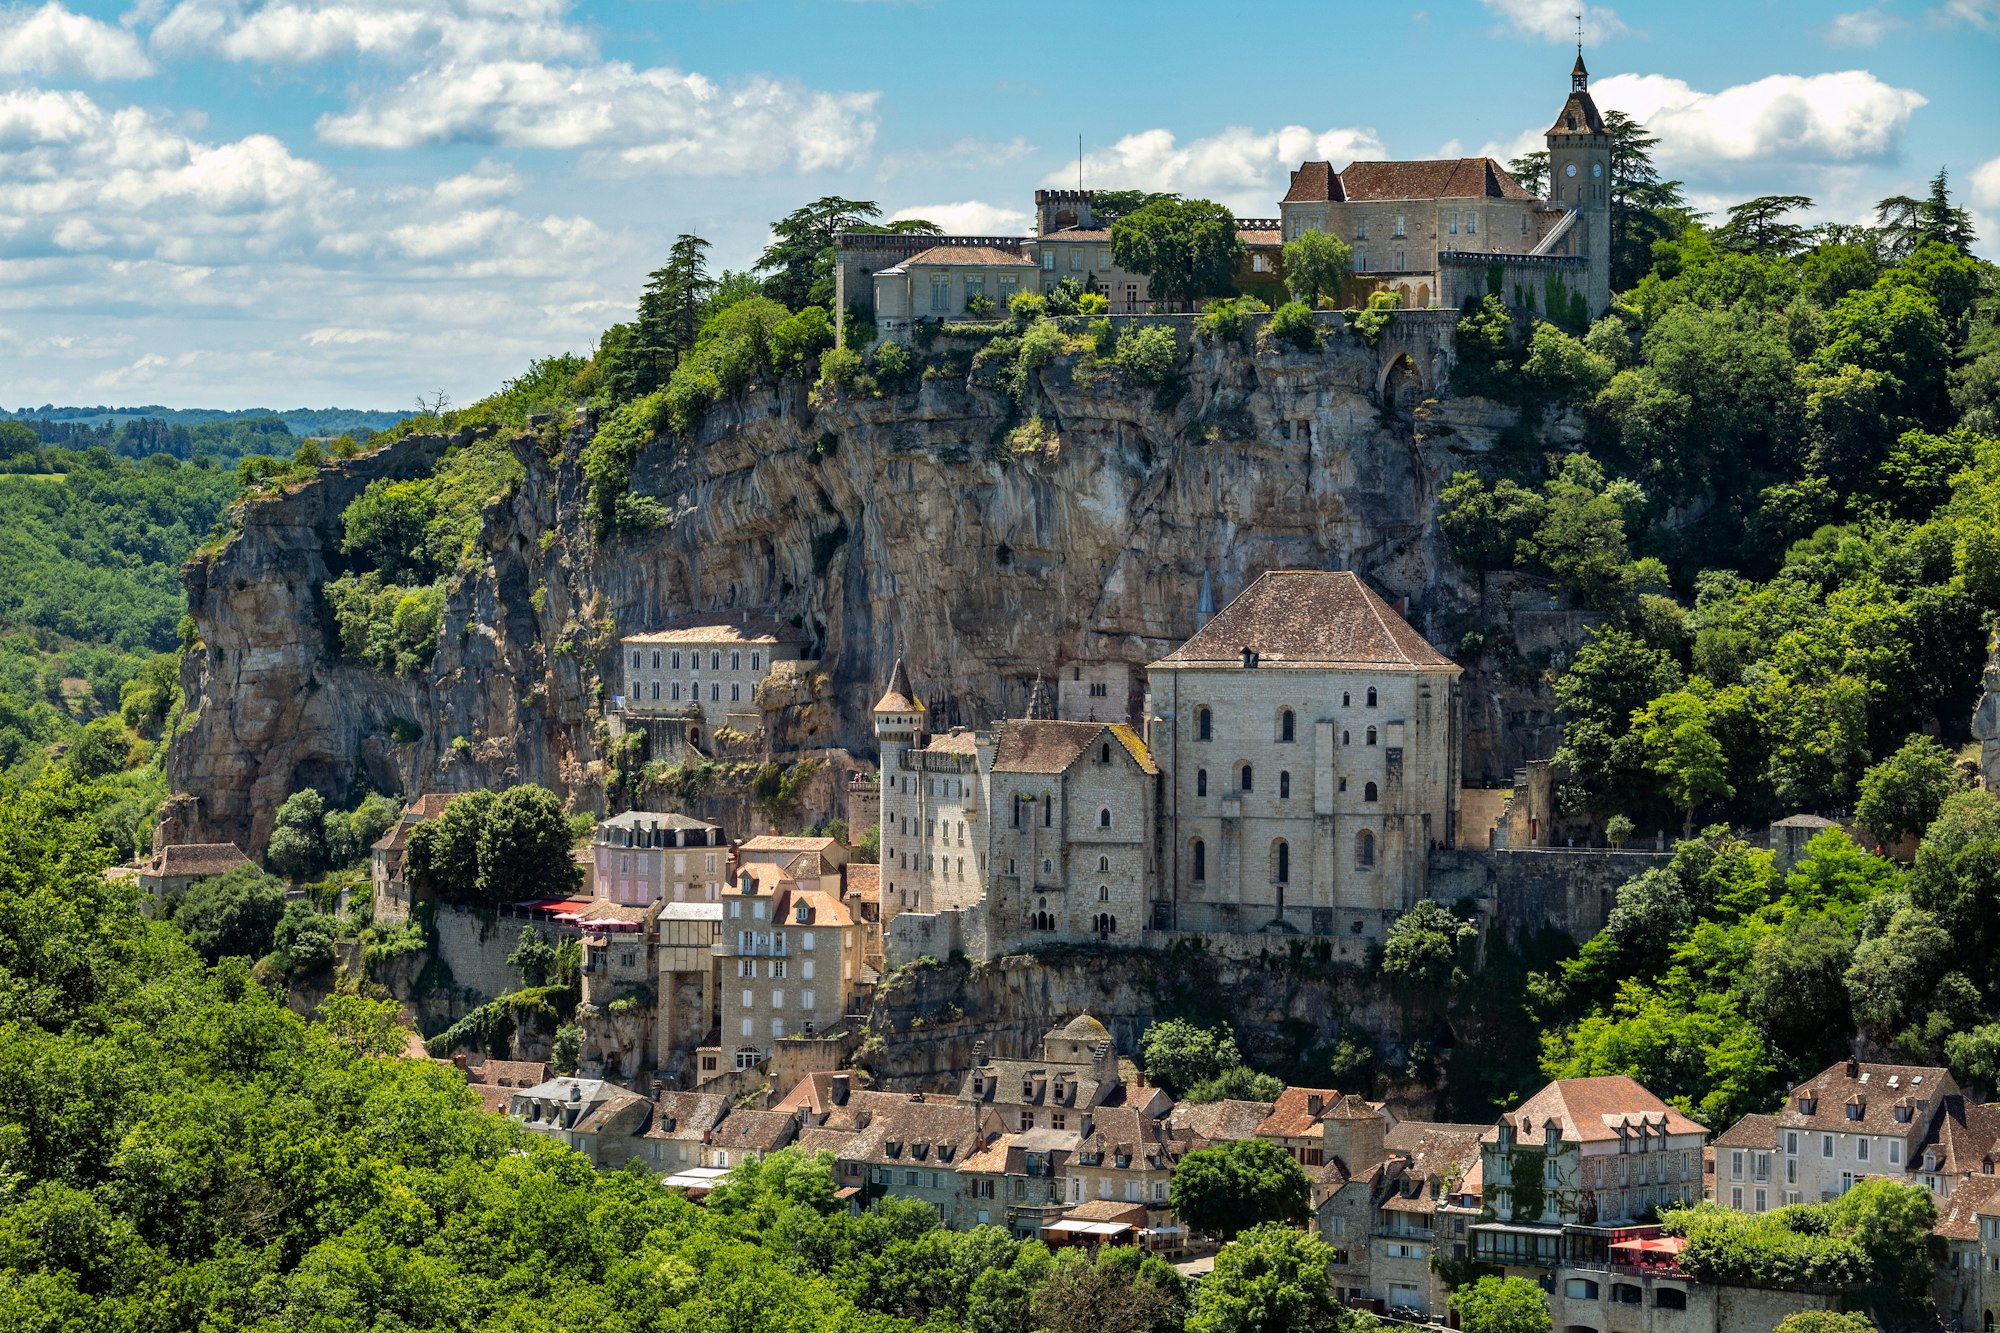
x: 1293, y: 767
x: 1430, y: 233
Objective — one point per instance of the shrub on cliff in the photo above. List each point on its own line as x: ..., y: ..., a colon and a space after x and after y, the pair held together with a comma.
x: 1149, y: 355
x: 1294, y: 326
x: 389, y: 627
x: 798, y: 339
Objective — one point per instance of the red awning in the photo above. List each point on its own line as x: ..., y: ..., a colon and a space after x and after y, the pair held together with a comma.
x: 1653, y: 1245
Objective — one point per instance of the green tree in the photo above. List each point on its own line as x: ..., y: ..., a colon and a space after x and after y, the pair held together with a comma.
x: 1644, y: 208
x: 1232, y: 1187
x: 1826, y: 1321
x: 1941, y: 222
x: 1177, y: 1055
x: 1108, y: 1294
x: 1796, y: 990
x: 1898, y: 976
x: 302, y: 942
x: 1759, y: 225
x: 1425, y: 948
x: 1531, y: 171
x: 1239, y: 1083
x: 443, y: 856
x: 1501, y: 1305
x: 524, y: 847
x: 298, y: 838
x: 388, y: 528
x: 1956, y: 875
x: 534, y: 958
x: 1269, y: 1279
x: 1677, y: 733
x: 1892, y: 1222
x: 1317, y: 264
x: 799, y: 258
x: 1903, y: 794
x: 797, y: 341
x: 231, y: 915
x: 1187, y: 248
x: 1974, y: 1056
x: 1488, y: 527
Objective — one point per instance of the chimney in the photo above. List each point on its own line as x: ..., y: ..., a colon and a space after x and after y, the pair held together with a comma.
x: 459, y: 1060
x: 1853, y: 1067
x: 840, y: 1086
x: 1313, y: 1103
x: 576, y: 1092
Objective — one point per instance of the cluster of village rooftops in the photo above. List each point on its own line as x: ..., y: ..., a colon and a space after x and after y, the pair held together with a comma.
x: 1430, y: 233
x: 1070, y: 1145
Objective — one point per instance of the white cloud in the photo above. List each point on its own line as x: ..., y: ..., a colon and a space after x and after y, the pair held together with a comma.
x: 1555, y: 20
x: 966, y: 154
x: 637, y: 119
x: 1863, y: 27
x: 1986, y: 184
x: 1850, y: 116
x: 519, y: 73
x: 1246, y: 169
x: 969, y: 217
x: 53, y: 41
x: 1981, y: 14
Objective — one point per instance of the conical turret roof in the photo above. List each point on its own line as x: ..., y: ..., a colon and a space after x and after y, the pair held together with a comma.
x: 899, y: 697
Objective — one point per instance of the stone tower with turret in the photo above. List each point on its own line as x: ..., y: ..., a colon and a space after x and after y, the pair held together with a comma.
x: 1580, y: 180
x: 900, y: 721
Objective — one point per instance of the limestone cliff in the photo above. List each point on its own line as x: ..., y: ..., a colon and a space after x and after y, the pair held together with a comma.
x: 905, y: 523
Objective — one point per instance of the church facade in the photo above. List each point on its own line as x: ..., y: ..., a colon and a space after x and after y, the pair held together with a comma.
x: 1296, y: 764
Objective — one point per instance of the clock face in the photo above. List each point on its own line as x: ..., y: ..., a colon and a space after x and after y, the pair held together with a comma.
x: 1597, y: 168
x: 1570, y: 170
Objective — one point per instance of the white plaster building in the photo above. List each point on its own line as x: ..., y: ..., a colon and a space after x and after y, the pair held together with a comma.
x: 710, y: 664
x: 1309, y: 741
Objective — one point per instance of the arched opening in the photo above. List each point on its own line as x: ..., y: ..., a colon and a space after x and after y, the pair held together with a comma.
x: 1103, y: 865
x: 1104, y: 893
x: 1198, y: 859
x: 1049, y: 802
x: 1346, y: 738
x: 1104, y: 753
x: 1284, y: 785
x: 1287, y: 726
x: 1044, y: 921
x: 1369, y: 793
x: 1281, y: 861
x: 1104, y: 923
x: 1371, y: 735
x: 1203, y: 727
x: 1201, y: 782
x: 1423, y: 296
x: 1246, y: 779
x: 694, y: 737
x: 1104, y: 818
x: 1364, y: 849
x: 1371, y: 696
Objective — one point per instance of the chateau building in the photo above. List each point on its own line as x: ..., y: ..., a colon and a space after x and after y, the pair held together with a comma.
x: 934, y: 807
x: 1308, y: 739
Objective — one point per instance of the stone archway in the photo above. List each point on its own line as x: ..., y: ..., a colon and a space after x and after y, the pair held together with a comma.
x: 1402, y: 384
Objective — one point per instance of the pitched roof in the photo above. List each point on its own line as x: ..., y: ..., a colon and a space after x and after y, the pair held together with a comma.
x: 507, y: 1073
x: 899, y: 697
x: 430, y: 805
x: 397, y: 838
x: 1220, y: 1122
x: 1970, y: 1200
x: 1579, y: 115
x: 1098, y: 234
x: 1108, y: 1210
x: 1968, y: 1136
x: 1040, y: 745
x: 970, y: 256
x: 933, y: 1133
x: 1082, y: 1028
x: 649, y: 819
x: 1314, y: 182
x: 1451, y: 178
x: 1294, y: 1114
x: 864, y: 882
x: 687, y: 1116
x: 1804, y: 821
x: 1752, y: 1131
x: 197, y: 858
x: 1309, y: 618
x: 1260, y: 235
x: 718, y: 627
x: 608, y: 1114
x: 1031, y: 1083
x: 1593, y: 1110
x: 1875, y: 1092
x: 771, y: 842
x: 755, y: 1131
x: 956, y: 741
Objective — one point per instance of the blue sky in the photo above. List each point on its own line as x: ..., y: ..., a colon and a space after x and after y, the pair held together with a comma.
x: 308, y: 202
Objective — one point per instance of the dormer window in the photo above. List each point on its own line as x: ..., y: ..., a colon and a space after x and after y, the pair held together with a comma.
x: 1854, y: 1109
x: 1808, y: 1104
x: 1903, y: 1113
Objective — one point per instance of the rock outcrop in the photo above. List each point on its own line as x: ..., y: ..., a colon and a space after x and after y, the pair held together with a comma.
x: 910, y: 523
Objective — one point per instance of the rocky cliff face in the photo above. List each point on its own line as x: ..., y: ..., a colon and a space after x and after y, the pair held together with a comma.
x: 905, y: 523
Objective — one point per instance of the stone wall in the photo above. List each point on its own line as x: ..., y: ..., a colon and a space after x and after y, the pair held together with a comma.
x: 475, y: 945
x: 1524, y: 892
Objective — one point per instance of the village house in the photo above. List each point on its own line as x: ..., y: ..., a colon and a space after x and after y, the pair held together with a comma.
x: 1222, y: 1121
x: 703, y: 670
x: 1739, y: 1165
x: 1297, y: 1123
x: 1967, y: 1285
x: 171, y: 869
x: 496, y: 1081
x: 640, y: 858
x: 1125, y: 1156
x: 913, y: 1149
x: 675, y: 1138
x: 389, y: 853
x: 1016, y: 1180
x: 934, y: 807
x: 791, y: 958
x: 944, y: 281
x: 1078, y: 1072
x: 687, y: 937
x: 750, y: 1135
x: 557, y: 1107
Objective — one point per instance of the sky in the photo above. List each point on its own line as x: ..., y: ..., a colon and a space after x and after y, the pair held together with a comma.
x: 287, y: 203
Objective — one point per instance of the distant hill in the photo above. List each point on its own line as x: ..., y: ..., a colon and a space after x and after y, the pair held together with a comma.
x: 299, y: 421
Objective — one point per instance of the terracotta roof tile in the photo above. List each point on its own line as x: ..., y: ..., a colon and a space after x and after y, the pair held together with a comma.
x: 1309, y: 618
x: 1590, y: 1110
x: 1452, y: 178
x: 1314, y: 182
x: 686, y: 1116
x: 755, y: 1131
x: 1968, y: 1136
x: 956, y: 741
x: 970, y: 256
x: 771, y: 842
x: 864, y: 882
x: 1040, y: 745
x: 1578, y: 116
x: 1294, y: 1115
x: 720, y: 627
x: 936, y: 1134
x: 430, y: 805
x: 1220, y: 1122
x: 1752, y: 1131
x: 899, y: 697
x: 1959, y: 1213
x: 1875, y: 1091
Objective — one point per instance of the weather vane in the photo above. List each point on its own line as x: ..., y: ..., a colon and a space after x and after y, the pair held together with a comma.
x: 1579, y: 34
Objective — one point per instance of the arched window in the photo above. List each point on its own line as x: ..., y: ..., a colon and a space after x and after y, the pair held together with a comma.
x: 1281, y: 861
x: 1104, y: 753
x: 1364, y: 849
x: 1284, y: 785
x: 1048, y: 867
x: 1104, y: 818
x: 1198, y: 858
x: 1346, y: 699
x: 715, y: 661
x: 656, y: 660
x: 1203, y: 727
x: 1103, y: 865
x: 1346, y: 739
x: 1104, y: 893
x: 1201, y: 782
x: 1287, y: 726
x: 1017, y: 812
x: 1371, y: 735
x: 1247, y: 779
x: 1371, y: 696
x: 1369, y: 793
x: 1048, y: 811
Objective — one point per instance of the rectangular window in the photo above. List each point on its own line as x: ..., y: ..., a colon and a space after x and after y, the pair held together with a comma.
x: 1361, y: 230
x: 750, y: 997
x: 1360, y: 261
x: 940, y: 295
x: 1009, y: 284
x: 777, y: 999
x: 1399, y: 225
x: 1761, y: 1199
x: 806, y: 943
x: 1861, y: 1150
x: 1451, y: 225
x: 1826, y: 1145
x: 746, y: 968
x: 1791, y: 1143
x: 1076, y: 261
x: 806, y: 1000
x: 777, y: 1027
x: 1472, y: 224
x: 1736, y: 1164
x: 806, y: 969
x: 777, y: 969
x: 1104, y: 260
x: 975, y: 285
x: 747, y: 1028
x: 1257, y: 262
x: 1895, y: 1152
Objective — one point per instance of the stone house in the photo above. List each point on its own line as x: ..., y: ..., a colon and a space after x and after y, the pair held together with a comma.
x: 938, y: 284
x: 675, y: 1137
x: 1852, y: 1120
x: 703, y: 669
x: 1967, y: 1286
x: 1226, y: 1121
x: 558, y: 1107
x: 1073, y: 833
x: 1078, y: 1072
x: 610, y: 1135
x: 1740, y: 1166
x: 1584, y: 1153
x: 934, y: 807
x: 171, y: 869
x: 1129, y: 1157
x: 640, y: 858
x: 1309, y: 739
x: 1297, y: 1123
x: 913, y: 1148
x: 791, y: 957
x: 1016, y: 1180
x: 811, y: 863
x: 388, y: 854
x: 496, y: 1081
x: 746, y: 1136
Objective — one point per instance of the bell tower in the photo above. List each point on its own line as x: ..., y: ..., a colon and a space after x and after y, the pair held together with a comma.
x: 1580, y: 180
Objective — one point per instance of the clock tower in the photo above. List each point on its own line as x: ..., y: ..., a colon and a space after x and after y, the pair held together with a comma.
x: 1580, y: 180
